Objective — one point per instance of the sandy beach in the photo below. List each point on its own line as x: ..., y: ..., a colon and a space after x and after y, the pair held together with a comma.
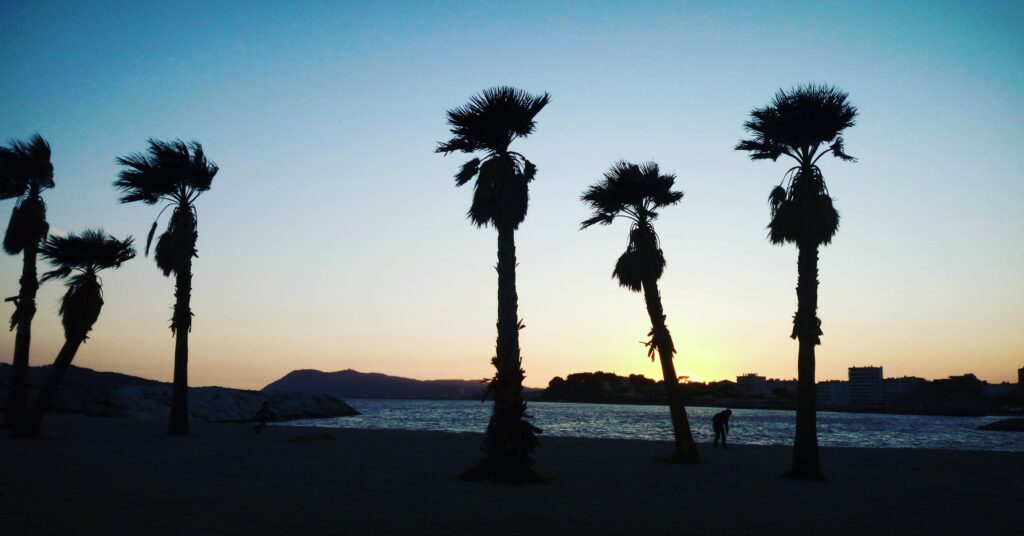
x: 106, y: 475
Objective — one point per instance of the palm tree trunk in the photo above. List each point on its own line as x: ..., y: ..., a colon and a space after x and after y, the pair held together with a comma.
x: 510, y: 439
x: 806, y: 328
x: 29, y: 424
x: 26, y: 310
x: 685, y: 449
x: 182, y: 322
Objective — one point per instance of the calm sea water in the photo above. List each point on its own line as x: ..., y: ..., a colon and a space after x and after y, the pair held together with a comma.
x: 747, y: 426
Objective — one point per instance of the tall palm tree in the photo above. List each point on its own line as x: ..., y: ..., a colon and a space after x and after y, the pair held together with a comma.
x: 174, y: 173
x: 25, y: 171
x: 77, y: 259
x: 635, y: 193
x: 489, y: 124
x: 804, y: 124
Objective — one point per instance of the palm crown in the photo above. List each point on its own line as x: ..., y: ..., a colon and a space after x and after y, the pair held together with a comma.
x: 78, y: 258
x: 176, y: 173
x: 490, y: 123
x: 25, y: 171
x: 634, y: 192
x: 797, y: 124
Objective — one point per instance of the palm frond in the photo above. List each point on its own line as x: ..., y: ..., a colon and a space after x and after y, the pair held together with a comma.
x: 803, y: 212
x: 501, y: 194
x: 81, y: 304
x: 492, y: 120
x: 89, y: 251
x: 166, y: 169
x: 25, y: 166
x: 799, y: 119
x: 149, y: 237
x: 178, y: 242
x: 630, y: 189
x: 642, y: 260
x: 467, y: 172
x: 27, y: 225
x: 839, y: 150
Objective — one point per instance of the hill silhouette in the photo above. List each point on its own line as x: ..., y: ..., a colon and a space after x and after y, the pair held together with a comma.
x: 354, y: 384
x: 90, y: 392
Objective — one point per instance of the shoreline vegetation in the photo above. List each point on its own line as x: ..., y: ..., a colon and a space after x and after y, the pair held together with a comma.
x: 227, y: 479
x: 952, y: 397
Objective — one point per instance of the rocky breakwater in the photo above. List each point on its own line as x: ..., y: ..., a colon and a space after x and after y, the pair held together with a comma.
x: 88, y: 392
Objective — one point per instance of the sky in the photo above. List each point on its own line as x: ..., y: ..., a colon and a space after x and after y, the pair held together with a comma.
x: 334, y: 237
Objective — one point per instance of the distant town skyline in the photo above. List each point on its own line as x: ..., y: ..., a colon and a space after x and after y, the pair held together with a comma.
x: 333, y: 236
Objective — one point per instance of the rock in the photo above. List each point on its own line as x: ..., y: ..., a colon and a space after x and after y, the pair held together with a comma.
x: 1005, y: 425
x: 88, y: 392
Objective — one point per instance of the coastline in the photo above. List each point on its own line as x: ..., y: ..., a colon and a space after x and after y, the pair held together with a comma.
x: 122, y: 475
x: 747, y: 404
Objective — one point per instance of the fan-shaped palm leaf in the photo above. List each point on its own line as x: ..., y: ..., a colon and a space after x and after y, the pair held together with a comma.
x: 798, y: 121
x: 492, y: 120
x: 171, y: 171
x: 79, y: 258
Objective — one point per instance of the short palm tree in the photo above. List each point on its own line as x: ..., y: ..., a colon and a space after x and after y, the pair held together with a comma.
x: 804, y: 124
x: 174, y: 173
x: 488, y: 125
x: 77, y: 259
x: 636, y: 192
x: 25, y: 171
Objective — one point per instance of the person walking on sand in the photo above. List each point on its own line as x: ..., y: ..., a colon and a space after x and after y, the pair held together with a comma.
x: 720, y: 422
x: 262, y: 416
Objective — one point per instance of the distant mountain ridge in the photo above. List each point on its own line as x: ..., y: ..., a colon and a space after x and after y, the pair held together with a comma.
x: 354, y: 384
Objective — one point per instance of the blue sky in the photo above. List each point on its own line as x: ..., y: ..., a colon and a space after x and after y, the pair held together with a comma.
x: 334, y: 237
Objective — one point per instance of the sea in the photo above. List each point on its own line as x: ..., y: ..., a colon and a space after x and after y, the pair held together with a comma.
x: 746, y: 426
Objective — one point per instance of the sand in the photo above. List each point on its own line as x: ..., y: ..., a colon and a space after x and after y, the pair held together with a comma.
x: 120, y: 476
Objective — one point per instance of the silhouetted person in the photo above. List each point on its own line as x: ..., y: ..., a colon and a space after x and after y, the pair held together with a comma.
x: 262, y: 416
x: 720, y: 422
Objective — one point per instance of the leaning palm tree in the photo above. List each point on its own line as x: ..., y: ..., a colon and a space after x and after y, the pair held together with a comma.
x: 635, y: 193
x: 488, y: 125
x: 77, y: 259
x: 804, y: 124
x: 174, y: 173
x: 25, y: 171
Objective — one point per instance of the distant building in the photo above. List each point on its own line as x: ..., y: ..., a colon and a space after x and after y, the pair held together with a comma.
x: 1020, y: 376
x: 751, y: 384
x: 865, y: 389
x: 896, y: 389
x: 833, y: 393
x: 993, y: 390
x: 786, y: 387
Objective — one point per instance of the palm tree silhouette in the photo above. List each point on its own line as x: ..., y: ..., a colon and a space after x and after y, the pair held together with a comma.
x: 25, y: 171
x: 77, y: 259
x: 635, y: 193
x: 804, y: 124
x: 489, y: 124
x: 174, y: 173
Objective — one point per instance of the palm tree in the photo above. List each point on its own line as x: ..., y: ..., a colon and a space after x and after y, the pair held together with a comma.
x: 77, y: 259
x: 804, y: 124
x: 25, y: 171
x: 488, y: 125
x: 635, y: 193
x: 174, y: 173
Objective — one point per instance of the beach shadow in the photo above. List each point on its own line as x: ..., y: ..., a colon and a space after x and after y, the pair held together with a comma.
x: 322, y: 436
